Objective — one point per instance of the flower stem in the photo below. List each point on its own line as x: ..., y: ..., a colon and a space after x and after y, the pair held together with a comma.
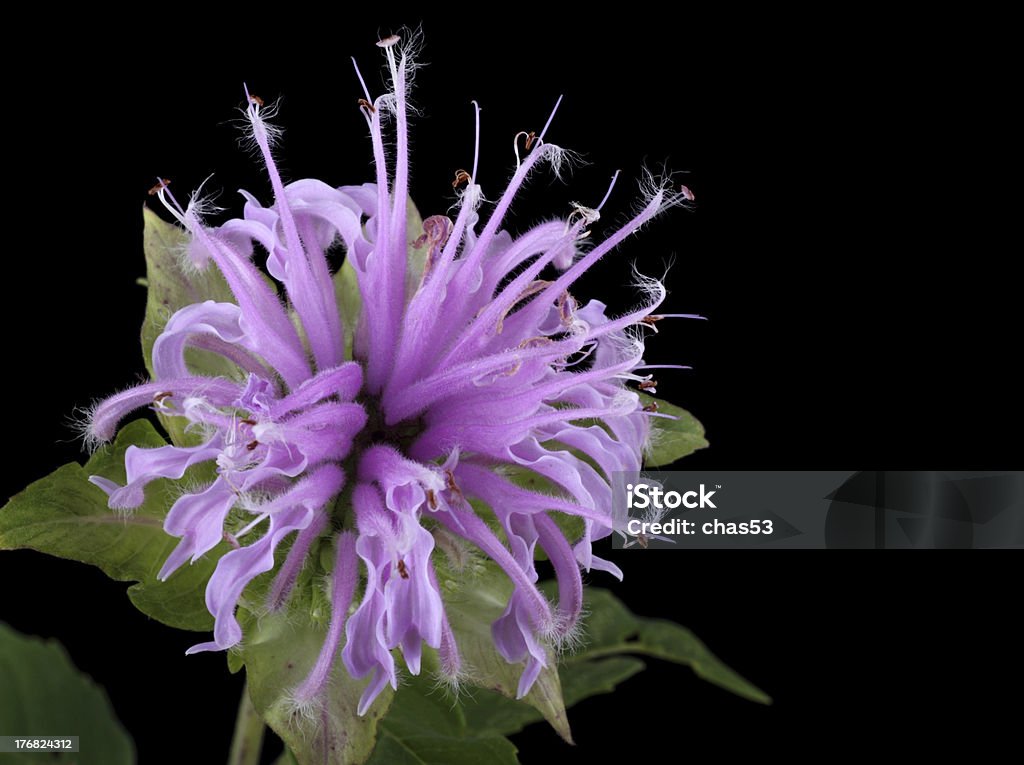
x: 248, y: 740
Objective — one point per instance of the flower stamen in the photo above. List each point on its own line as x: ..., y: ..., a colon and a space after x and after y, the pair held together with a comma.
x: 362, y: 82
x: 476, y: 141
x: 551, y: 117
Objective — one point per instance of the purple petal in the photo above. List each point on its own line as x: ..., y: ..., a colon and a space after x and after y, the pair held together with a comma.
x: 292, y: 511
x: 199, y: 520
x: 343, y: 586
x: 145, y: 465
x: 219, y: 322
x: 293, y: 563
x: 567, y: 572
x: 343, y: 381
x: 105, y: 416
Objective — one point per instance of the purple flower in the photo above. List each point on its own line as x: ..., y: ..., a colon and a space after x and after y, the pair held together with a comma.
x: 482, y: 363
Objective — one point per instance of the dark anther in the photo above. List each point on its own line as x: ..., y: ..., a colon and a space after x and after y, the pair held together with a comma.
x: 648, y: 384
x: 252, y: 445
x: 651, y: 319
x: 402, y: 570
x: 651, y: 407
x: 431, y: 499
x: 164, y: 183
x: 159, y: 397
x: 449, y: 479
x: 364, y: 104
x: 255, y: 100
x: 530, y: 138
x: 461, y: 176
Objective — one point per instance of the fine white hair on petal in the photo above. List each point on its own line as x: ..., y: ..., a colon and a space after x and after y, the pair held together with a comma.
x: 82, y: 420
x: 472, y: 194
x: 401, y: 51
x: 570, y: 637
x: 192, y: 258
x: 205, y: 430
x: 653, y: 289
x: 410, y: 47
x: 626, y: 342
x: 304, y: 713
x: 256, y: 122
x: 561, y: 161
x: 202, y: 205
x: 577, y: 636
x: 455, y: 686
x: 80, y: 423
x: 662, y: 187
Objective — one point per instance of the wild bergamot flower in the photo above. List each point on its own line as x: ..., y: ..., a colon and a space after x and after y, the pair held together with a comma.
x: 481, y: 362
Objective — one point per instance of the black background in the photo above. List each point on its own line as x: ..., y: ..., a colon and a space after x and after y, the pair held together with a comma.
x: 857, y: 320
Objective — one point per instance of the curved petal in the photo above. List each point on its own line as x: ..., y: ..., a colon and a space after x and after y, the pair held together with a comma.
x: 292, y: 511
x: 195, y: 325
x: 199, y: 520
x: 145, y: 465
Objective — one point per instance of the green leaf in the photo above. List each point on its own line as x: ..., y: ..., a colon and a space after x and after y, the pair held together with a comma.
x: 492, y: 714
x: 278, y: 656
x: 672, y: 439
x: 346, y: 283
x: 471, y: 608
x: 350, y: 301
x: 613, y: 630
x: 169, y: 288
x: 235, y: 656
x: 43, y: 694
x: 439, y: 750
x: 424, y: 727
x: 286, y: 758
x: 66, y: 516
x: 415, y: 256
x: 585, y: 679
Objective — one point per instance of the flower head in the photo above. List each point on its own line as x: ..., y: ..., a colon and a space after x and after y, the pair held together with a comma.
x: 478, y: 362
